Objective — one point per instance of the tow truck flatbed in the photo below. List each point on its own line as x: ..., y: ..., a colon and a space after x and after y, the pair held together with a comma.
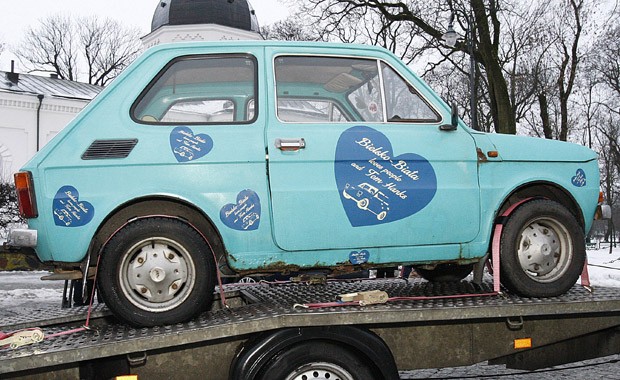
x: 458, y: 328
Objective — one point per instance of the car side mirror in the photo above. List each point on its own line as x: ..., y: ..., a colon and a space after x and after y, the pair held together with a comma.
x: 454, y: 120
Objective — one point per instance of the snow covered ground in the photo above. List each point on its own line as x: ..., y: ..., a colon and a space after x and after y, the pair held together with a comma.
x: 604, y: 267
x: 20, y: 289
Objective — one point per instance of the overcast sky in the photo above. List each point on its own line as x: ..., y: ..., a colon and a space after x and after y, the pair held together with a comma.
x: 21, y: 14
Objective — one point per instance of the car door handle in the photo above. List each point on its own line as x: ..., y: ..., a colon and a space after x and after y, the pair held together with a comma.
x: 290, y: 144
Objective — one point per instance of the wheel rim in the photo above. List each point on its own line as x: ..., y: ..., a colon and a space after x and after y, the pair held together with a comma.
x: 545, y: 249
x: 320, y: 371
x: 157, y: 274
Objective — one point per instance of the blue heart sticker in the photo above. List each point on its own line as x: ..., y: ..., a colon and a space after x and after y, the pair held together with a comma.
x: 243, y: 215
x: 375, y: 186
x: 69, y: 210
x: 360, y: 257
x: 579, y: 179
x: 186, y: 146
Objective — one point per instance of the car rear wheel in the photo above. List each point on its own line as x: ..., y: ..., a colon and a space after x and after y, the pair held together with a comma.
x: 542, y: 250
x: 157, y: 271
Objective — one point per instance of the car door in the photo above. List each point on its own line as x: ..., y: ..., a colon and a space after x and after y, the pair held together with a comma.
x: 356, y: 158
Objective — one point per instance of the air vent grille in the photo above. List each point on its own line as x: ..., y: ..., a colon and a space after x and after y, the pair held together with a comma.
x: 103, y: 149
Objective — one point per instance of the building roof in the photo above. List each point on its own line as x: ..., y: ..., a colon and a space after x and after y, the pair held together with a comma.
x: 235, y: 14
x: 48, y: 86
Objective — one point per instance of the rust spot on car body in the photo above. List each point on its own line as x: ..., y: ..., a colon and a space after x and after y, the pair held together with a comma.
x: 481, y: 156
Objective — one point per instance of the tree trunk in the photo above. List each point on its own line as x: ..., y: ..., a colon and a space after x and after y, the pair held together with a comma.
x: 544, y: 115
x: 498, y: 88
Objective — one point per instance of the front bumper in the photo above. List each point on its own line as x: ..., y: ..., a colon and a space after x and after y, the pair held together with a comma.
x: 22, y: 237
x: 603, y: 212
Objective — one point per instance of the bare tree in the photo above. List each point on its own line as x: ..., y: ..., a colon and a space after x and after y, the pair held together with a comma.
x: 428, y: 19
x: 51, y: 47
x: 9, y: 209
x: 606, y: 64
x: 610, y: 171
x: 559, y: 67
x: 74, y: 48
x: 292, y: 29
x: 108, y: 47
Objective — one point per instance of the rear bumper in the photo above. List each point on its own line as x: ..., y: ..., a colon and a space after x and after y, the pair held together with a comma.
x: 603, y: 212
x: 22, y: 237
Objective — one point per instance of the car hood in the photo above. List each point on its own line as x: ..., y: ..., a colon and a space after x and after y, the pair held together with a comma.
x: 523, y: 148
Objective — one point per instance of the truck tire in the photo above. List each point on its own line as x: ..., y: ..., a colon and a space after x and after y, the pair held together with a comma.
x: 156, y: 271
x: 445, y: 272
x: 319, y: 352
x: 542, y: 250
x: 315, y: 360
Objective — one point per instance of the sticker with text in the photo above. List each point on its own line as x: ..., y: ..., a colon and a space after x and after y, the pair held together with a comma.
x: 579, y: 179
x: 187, y: 146
x: 375, y: 185
x: 359, y: 257
x: 244, y: 215
x: 69, y: 210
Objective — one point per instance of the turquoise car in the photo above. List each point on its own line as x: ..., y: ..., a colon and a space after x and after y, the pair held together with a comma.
x: 241, y: 157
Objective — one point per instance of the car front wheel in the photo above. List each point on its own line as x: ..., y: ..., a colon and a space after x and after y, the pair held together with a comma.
x: 542, y: 250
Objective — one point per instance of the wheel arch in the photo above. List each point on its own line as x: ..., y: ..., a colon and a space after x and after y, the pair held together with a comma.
x: 158, y: 206
x: 259, y: 350
x: 543, y: 189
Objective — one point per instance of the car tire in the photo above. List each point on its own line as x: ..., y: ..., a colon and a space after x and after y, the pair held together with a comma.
x: 445, y: 272
x: 363, y: 203
x: 542, y: 250
x: 316, y: 359
x: 157, y: 271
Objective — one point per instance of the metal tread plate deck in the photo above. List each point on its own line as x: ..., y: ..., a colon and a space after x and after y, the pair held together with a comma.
x: 271, y: 307
x: 50, y: 315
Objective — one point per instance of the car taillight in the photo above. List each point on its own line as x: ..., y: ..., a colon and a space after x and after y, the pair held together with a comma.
x: 25, y: 195
x: 601, y: 197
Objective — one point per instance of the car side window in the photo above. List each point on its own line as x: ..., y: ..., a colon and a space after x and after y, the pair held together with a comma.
x: 327, y: 89
x: 403, y: 102
x: 200, y: 90
x: 309, y: 110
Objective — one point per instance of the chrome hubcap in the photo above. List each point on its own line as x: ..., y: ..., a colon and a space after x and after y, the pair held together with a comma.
x: 157, y: 274
x: 320, y: 371
x: 545, y: 249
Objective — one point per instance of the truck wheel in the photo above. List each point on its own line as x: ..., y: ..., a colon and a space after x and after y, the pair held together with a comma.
x: 157, y: 271
x: 542, y: 250
x: 316, y: 360
x: 445, y: 272
x: 319, y: 352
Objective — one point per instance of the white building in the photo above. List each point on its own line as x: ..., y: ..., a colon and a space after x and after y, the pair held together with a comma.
x: 33, y: 109
x: 202, y: 20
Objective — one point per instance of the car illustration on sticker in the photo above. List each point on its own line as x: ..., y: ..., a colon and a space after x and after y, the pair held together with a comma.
x: 368, y: 198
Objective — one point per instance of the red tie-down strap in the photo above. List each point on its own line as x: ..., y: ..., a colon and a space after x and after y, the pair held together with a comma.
x: 497, y: 238
x: 585, y: 277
